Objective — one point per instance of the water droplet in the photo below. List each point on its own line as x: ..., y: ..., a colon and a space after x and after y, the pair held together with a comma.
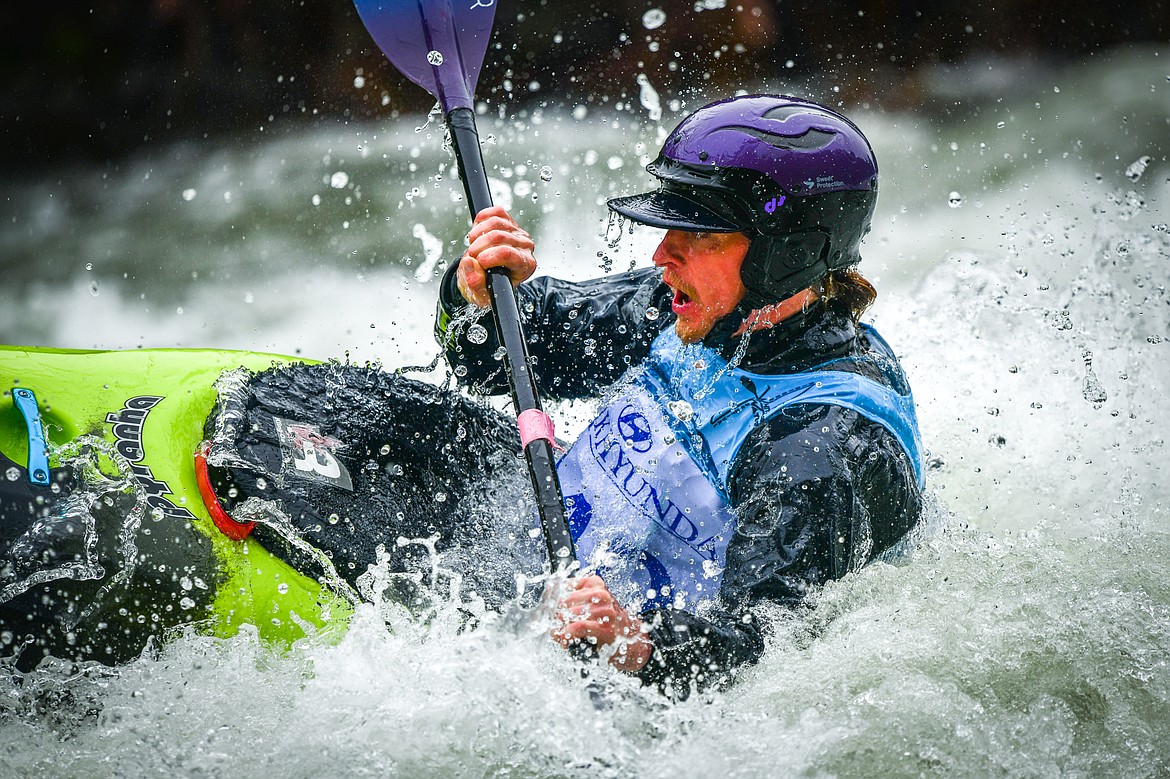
x: 648, y: 97
x: 316, y: 200
x: 12, y: 473
x: 93, y: 288
x: 186, y: 604
x: 1000, y: 125
x: 681, y: 409
x: 89, y: 266
x: 652, y: 313
x: 333, y: 519
x: 282, y: 588
x: 1061, y: 321
x: 653, y: 18
x: 613, y: 163
x: 954, y: 200
x: 546, y: 173
x: 359, y: 82
x: 1091, y: 388
x: 249, y: 297
x: 189, y: 194
x: 435, y: 58
x: 339, y: 179
x: 477, y: 334
x: 440, y: 497
x: 1137, y: 168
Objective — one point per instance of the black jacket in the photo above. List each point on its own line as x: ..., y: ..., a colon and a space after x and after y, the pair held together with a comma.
x: 818, y: 491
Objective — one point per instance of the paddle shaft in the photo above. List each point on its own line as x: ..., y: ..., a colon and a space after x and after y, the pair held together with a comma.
x: 506, y: 314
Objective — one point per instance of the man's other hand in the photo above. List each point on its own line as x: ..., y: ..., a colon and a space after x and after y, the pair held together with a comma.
x: 590, y: 614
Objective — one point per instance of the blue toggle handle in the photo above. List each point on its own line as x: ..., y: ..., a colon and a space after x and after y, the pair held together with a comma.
x: 38, y: 450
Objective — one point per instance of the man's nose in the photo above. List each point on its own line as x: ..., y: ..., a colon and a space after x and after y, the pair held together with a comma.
x: 669, y: 251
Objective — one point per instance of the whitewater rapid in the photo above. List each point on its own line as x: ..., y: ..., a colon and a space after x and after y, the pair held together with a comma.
x: 1020, y: 251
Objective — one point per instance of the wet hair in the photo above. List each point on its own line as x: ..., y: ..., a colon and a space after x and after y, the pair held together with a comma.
x: 850, y: 288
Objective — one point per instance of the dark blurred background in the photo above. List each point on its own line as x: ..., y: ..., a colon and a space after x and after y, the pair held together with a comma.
x: 97, y: 81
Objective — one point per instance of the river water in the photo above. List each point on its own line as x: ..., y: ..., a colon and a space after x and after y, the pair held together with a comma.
x: 1020, y: 251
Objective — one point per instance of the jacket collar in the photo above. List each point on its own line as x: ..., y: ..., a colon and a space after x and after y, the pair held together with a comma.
x: 822, y: 332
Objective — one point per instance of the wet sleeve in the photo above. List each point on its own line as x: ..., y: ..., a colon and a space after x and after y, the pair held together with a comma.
x: 694, y: 653
x: 793, y: 494
x: 582, y: 336
x: 801, y: 517
x: 819, y: 491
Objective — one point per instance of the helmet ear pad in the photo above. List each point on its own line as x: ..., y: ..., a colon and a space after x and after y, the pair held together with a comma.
x: 805, y: 239
x: 776, y: 268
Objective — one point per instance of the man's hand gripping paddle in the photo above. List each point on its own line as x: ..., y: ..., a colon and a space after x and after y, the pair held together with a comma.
x: 440, y: 45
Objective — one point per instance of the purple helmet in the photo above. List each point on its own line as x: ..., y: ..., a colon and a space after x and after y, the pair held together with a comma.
x: 798, y: 178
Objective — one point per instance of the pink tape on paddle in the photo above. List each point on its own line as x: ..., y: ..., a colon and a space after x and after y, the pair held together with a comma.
x: 535, y: 424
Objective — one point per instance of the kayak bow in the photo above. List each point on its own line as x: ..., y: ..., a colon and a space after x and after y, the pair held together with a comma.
x: 144, y: 412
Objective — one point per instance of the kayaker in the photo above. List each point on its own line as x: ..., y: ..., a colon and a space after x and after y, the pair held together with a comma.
x: 754, y: 440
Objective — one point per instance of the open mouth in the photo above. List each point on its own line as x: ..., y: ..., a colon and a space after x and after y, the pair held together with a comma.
x: 681, y: 299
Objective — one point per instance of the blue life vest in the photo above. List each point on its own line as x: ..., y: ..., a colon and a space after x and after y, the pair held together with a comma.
x: 646, y: 484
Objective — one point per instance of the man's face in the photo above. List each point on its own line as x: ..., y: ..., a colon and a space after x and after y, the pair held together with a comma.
x: 703, y: 271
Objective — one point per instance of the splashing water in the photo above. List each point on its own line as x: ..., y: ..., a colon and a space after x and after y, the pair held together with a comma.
x: 432, y: 252
x: 1024, y: 633
x: 1137, y: 167
x: 477, y: 334
x: 653, y: 18
x: 1091, y: 389
x: 649, y: 99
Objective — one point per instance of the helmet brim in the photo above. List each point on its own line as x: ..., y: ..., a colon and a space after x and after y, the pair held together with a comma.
x: 672, y: 211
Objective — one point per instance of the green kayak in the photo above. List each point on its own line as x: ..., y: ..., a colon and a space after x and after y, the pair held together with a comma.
x: 128, y: 426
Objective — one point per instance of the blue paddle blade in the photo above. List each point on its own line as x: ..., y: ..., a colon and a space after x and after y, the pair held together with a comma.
x: 437, y: 44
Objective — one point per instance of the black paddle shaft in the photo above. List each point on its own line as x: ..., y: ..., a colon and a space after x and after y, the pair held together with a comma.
x: 539, y: 452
